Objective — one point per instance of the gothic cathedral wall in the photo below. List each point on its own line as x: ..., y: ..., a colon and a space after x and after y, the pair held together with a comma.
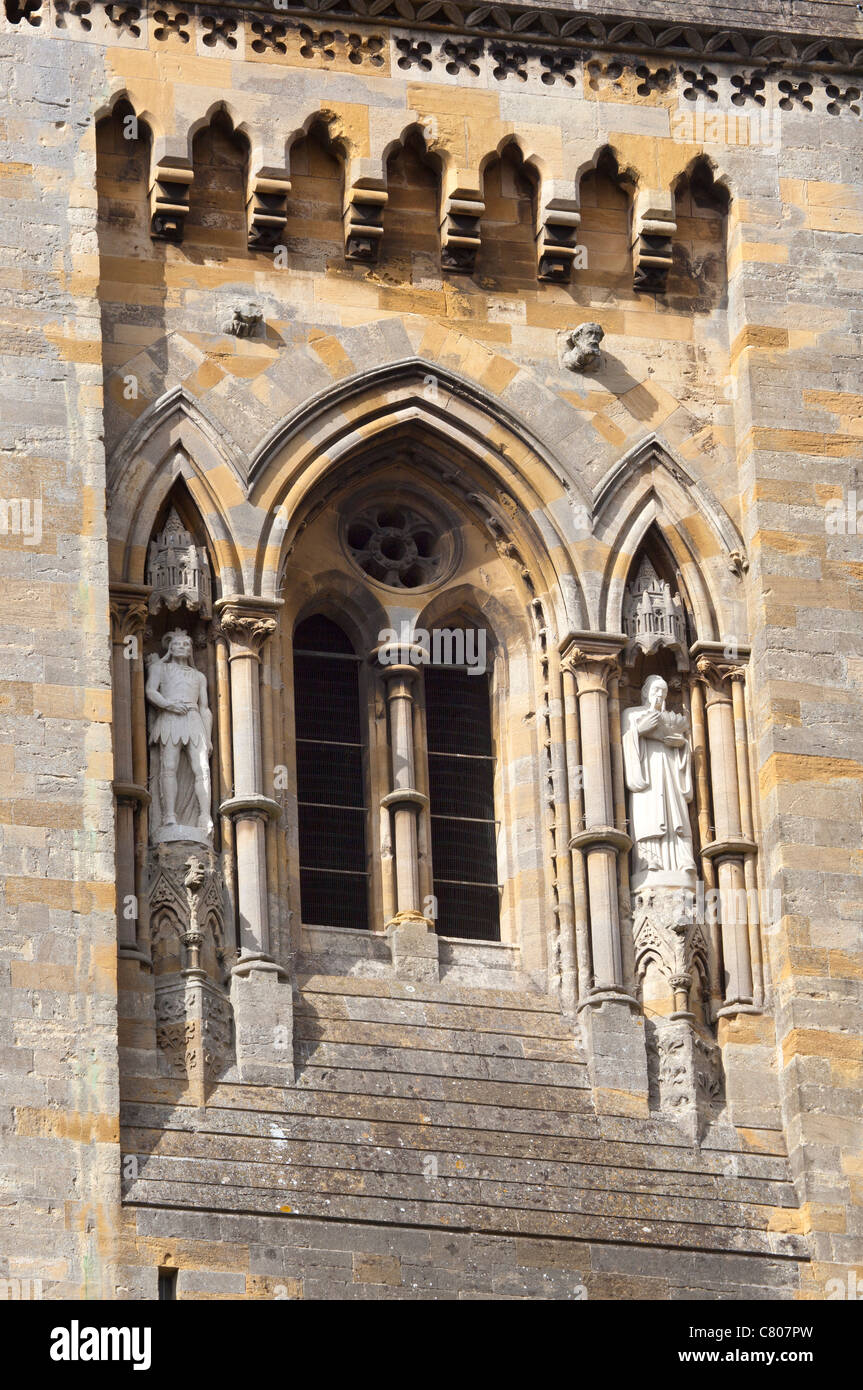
x: 550, y: 331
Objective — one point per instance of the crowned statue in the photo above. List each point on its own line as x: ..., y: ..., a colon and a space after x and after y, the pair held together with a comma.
x: 180, y: 736
x: 657, y: 762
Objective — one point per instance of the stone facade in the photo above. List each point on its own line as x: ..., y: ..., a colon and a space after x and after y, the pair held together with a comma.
x: 515, y: 321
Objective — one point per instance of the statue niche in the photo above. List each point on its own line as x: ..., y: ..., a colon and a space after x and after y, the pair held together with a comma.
x: 670, y: 944
x: 180, y: 726
x: 657, y: 760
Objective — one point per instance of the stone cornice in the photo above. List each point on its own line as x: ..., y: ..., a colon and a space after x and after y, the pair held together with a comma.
x: 827, y: 37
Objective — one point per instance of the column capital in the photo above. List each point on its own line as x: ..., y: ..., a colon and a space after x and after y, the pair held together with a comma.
x: 248, y: 623
x: 592, y: 658
x: 715, y: 666
x: 129, y: 609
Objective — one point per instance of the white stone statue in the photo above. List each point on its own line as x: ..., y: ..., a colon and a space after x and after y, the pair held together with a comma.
x: 657, y: 760
x: 180, y: 732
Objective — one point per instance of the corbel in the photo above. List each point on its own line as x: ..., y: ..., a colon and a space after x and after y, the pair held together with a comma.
x: 169, y: 198
x: 365, y: 200
x: 557, y: 234
x: 462, y: 208
x: 267, y: 207
x: 653, y: 228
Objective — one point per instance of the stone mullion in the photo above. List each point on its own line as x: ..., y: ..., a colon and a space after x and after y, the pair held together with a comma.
x: 268, y: 759
x: 574, y: 772
x: 730, y: 847
x: 620, y: 822
x: 248, y: 624
x: 600, y: 840
x: 562, y: 835
x: 403, y: 800
x: 702, y: 803
x: 129, y: 613
x: 226, y: 777
x: 747, y: 825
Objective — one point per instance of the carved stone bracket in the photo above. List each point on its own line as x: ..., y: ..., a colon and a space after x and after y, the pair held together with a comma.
x: 460, y: 230
x: 169, y: 201
x: 685, y: 1073
x: 267, y: 208
x: 557, y: 240
x: 364, y: 222
x: 653, y: 228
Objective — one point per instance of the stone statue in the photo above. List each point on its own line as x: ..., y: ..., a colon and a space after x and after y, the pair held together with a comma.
x: 657, y: 760
x: 180, y: 733
x: 583, y: 347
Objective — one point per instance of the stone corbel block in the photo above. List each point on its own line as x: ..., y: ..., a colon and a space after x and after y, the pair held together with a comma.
x: 557, y: 237
x: 264, y: 1027
x: 267, y: 208
x: 364, y: 221
x: 414, y: 946
x: 169, y: 200
x: 462, y: 210
x: 653, y: 229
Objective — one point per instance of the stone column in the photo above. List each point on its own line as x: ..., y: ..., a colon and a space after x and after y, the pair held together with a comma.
x: 413, y: 939
x: 260, y: 991
x: 730, y: 846
x: 129, y: 614
x: 612, y: 1016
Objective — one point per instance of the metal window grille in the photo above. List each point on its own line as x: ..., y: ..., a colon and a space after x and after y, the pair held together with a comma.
x: 461, y: 796
x: 330, y: 780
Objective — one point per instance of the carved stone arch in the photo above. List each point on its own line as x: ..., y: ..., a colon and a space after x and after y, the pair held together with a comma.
x: 626, y: 172
x: 223, y: 107
x: 123, y: 92
x: 172, y: 439
x: 648, y: 487
x: 524, y: 488
x: 336, y: 596
x: 719, y: 179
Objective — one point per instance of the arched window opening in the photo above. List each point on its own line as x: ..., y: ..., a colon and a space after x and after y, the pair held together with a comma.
x: 217, y: 200
x: 461, y: 768
x: 314, y: 233
x: 508, y: 249
x: 699, y: 278
x: 604, y: 232
x: 331, y: 781
x: 412, y: 237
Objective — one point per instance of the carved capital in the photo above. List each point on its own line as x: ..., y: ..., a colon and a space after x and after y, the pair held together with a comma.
x: 246, y: 628
x: 717, y: 675
x: 593, y: 671
x: 129, y: 612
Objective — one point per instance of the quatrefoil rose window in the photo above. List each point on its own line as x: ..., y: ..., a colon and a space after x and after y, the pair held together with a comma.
x: 396, y: 546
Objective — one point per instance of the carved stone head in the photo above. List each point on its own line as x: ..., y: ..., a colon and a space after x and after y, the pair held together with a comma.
x: 654, y: 692
x: 178, y: 645
x: 583, y: 352
x: 245, y: 320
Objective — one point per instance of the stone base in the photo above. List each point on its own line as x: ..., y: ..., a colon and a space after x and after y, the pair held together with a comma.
x: 415, y: 951
x: 193, y: 1032
x: 264, y: 1022
x: 685, y: 1070
x: 192, y: 834
x: 614, y: 1039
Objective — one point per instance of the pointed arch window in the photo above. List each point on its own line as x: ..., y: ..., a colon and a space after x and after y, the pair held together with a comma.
x: 331, y: 779
x: 461, y: 774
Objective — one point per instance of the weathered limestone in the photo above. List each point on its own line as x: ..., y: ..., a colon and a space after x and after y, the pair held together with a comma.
x: 272, y: 316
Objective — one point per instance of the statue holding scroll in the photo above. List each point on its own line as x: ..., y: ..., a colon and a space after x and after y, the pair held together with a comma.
x: 657, y: 761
